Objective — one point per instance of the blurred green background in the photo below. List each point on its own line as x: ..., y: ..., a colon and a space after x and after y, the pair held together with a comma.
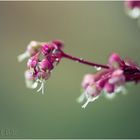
x: 91, y: 30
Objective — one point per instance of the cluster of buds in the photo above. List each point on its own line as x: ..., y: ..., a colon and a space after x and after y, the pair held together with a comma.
x: 132, y: 8
x: 42, y: 57
x: 109, y: 79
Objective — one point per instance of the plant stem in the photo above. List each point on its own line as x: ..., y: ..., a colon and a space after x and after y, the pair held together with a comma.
x: 80, y: 60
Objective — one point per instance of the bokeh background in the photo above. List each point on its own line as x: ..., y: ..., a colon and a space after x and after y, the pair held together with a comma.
x: 91, y: 30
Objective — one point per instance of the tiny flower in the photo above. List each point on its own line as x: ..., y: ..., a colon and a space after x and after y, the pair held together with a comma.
x: 132, y: 3
x: 29, y: 79
x: 87, y: 80
x: 32, y: 62
x: 43, y: 57
x: 47, y: 48
x: 52, y: 50
x: 29, y: 75
x: 115, y: 61
x: 110, y: 81
x: 133, y: 8
x: 91, y: 90
x: 92, y: 93
x: 32, y: 48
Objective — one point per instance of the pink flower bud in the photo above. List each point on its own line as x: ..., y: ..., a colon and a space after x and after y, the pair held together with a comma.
x: 109, y: 88
x: 117, y: 73
x: 87, y: 80
x: 93, y: 90
x: 58, y: 43
x: 46, y: 64
x: 47, y: 48
x: 115, y: 60
x: 32, y: 62
x: 132, y: 3
x: 101, y: 83
x: 117, y: 77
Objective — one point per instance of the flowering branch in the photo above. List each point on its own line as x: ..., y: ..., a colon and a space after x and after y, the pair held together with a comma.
x: 44, y: 56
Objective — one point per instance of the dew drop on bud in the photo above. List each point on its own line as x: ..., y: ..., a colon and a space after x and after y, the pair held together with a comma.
x: 57, y: 59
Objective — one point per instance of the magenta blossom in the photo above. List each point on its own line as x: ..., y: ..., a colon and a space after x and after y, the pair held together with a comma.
x: 43, y: 56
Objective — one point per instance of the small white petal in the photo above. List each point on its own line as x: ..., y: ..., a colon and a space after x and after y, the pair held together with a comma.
x: 33, y: 43
x: 23, y: 56
x: 81, y: 98
x: 29, y: 83
x: 34, y: 85
x: 121, y: 89
x: 134, y: 13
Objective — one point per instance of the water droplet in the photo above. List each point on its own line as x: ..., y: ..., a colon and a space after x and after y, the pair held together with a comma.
x: 98, y: 68
x: 57, y: 59
x: 81, y: 59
